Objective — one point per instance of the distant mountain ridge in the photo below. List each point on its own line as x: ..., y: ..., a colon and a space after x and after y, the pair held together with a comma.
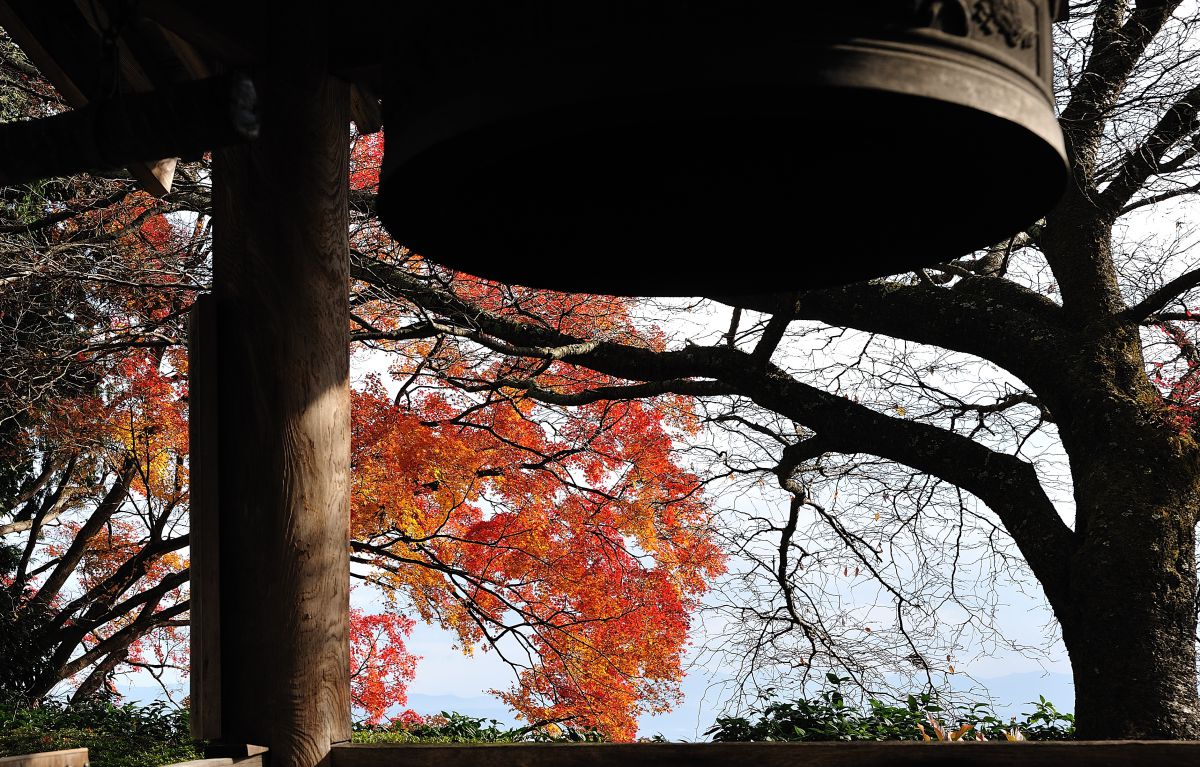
x: 1011, y: 693
x: 482, y: 706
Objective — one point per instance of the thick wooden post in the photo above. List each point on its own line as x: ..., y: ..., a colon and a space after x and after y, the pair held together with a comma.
x: 205, y: 567
x: 281, y: 282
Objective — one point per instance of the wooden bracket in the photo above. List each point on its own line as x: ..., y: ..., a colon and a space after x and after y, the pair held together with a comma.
x: 181, y: 120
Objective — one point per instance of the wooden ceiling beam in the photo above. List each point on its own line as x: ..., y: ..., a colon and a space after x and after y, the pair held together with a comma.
x: 131, y: 71
x: 155, y: 176
x: 183, y: 119
x: 190, y: 58
x: 199, y: 23
x: 70, y: 70
x: 60, y: 42
x: 93, y: 50
x: 365, y: 109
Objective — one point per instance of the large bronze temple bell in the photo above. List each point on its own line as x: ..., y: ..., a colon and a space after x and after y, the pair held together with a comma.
x: 663, y: 147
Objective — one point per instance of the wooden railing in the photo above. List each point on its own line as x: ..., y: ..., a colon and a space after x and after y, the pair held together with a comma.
x: 70, y: 757
x: 1152, y: 753
x: 1056, y: 754
x: 228, y: 756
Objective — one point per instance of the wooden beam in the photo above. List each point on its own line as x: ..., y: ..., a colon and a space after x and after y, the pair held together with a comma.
x: 201, y: 24
x: 61, y: 43
x: 235, y: 751
x: 365, y: 109
x: 221, y: 761
x: 281, y: 281
x: 71, y: 757
x: 186, y: 119
x: 154, y: 176
x: 188, y: 56
x: 204, y: 531
x: 858, y: 754
x: 74, y: 70
x: 131, y: 69
x: 239, y: 756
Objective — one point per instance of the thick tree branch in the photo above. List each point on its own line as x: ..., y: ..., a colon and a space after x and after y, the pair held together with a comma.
x: 1118, y: 44
x: 1176, y: 124
x: 71, y: 212
x: 611, y: 393
x: 166, y: 585
x: 104, y: 510
x: 100, y: 597
x: 772, y: 335
x: 147, y: 618
x: 1161, y: 297
x: 30, y: 488
x: 49, y: 510
x: 1008, y: 485
x: 987, y: 317
x: 1154, y: 199
x: 1076, y: 239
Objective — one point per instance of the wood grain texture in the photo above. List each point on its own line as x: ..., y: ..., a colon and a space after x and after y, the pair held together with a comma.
x: 1068, y: 754
x: 281, y: 285
x: 256, y: 760
x: 71, y: 757
x: 205, y: 575
x: 236, y: 751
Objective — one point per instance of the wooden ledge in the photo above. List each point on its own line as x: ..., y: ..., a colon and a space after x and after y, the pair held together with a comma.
x: 69, y: 757
x: 227, y: 755
x: 1097, y: 753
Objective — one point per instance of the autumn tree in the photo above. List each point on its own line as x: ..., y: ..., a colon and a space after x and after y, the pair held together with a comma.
x: 93, y: 514
x: 95, y: 281
x: 912, y: 424
x: 568, y: 539
x: 572, y: 542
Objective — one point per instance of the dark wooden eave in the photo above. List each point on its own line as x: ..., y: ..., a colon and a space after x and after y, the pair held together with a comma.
x: 157, y: 44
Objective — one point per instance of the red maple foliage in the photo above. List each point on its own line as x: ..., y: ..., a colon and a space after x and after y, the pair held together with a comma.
x: 1177, y: 372
x: 380, y: 665
x: 584, y: 545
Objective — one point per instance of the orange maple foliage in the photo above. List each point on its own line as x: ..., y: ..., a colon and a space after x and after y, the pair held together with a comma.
x: 569, y: 538
x: 132, y: 431
x: 569, y: 535
x: 115, y: 441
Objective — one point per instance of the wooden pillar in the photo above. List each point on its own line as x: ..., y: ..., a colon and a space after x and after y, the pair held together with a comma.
x: 283, y: 444
x: 205, y: 568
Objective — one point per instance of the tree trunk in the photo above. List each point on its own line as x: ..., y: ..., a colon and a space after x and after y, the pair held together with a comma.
x: 1132, y: 648
x: 1130, y: 622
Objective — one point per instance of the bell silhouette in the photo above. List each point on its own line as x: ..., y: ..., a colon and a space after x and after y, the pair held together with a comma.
x: 714, y: 148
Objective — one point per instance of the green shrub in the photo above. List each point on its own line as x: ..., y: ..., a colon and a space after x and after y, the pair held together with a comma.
x: 115, y: 736
x: 829, y: 717
x: 1045, y: 722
